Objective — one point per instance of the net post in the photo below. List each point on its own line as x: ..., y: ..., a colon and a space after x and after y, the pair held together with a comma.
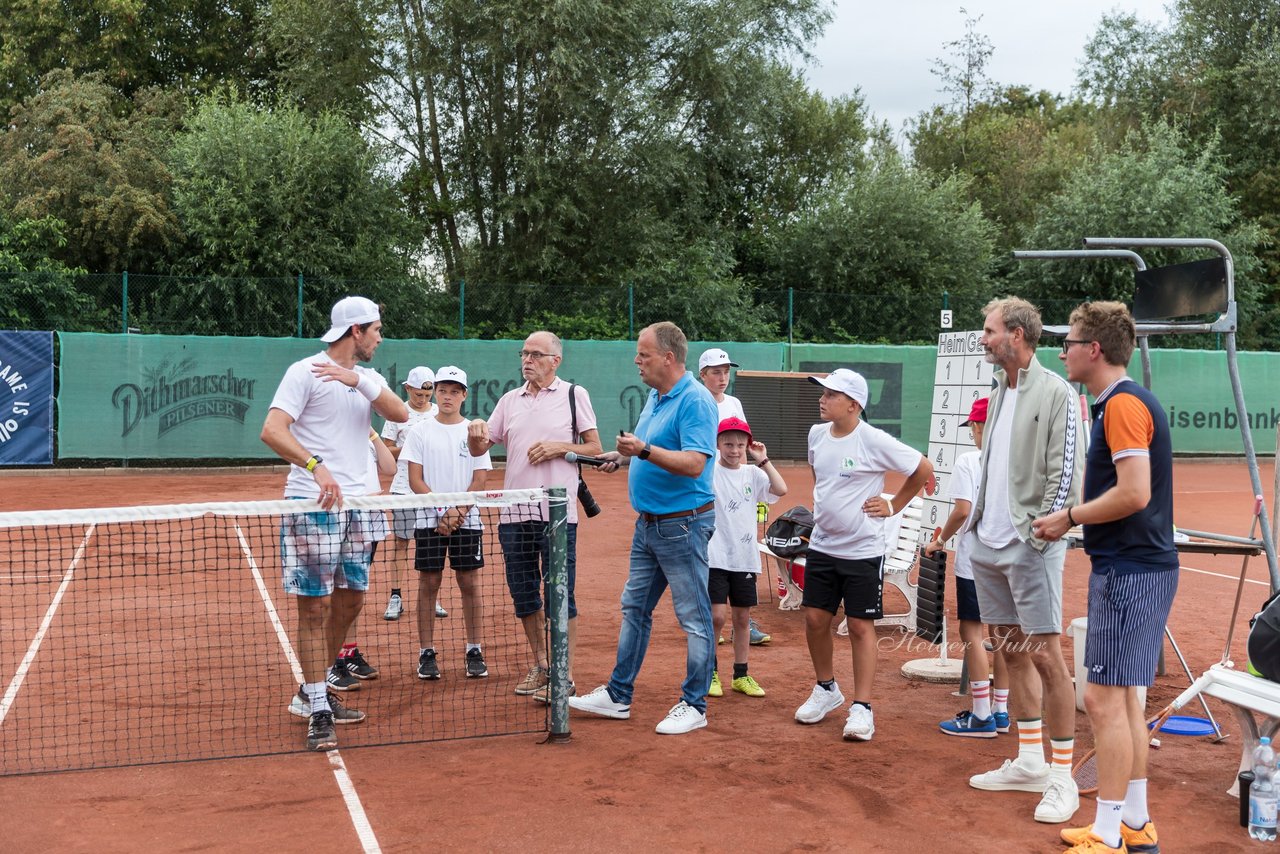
x: 558, y: 612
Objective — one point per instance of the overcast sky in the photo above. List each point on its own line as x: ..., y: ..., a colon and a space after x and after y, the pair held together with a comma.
x: 887, y: 49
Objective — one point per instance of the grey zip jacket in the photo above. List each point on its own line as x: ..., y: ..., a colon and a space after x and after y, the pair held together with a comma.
x: 1046, y: 459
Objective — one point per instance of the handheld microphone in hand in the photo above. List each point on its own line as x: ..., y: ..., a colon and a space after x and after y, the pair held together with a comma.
x: 584, y: 460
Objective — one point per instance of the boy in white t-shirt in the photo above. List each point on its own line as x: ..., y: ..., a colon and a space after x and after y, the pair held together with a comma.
x: 732, y: 553
x: 715, y: 369
x: 845, y: 561
x: 990, y: 712
x: 440, y: 461
x: 419, y: 385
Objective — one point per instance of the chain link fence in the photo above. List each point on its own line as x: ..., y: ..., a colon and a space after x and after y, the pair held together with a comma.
x: 299, y: 307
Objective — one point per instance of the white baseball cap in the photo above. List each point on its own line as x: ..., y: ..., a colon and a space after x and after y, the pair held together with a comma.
x: 713, y: 358
x: 451, y: 374
x: 348, y: 312
x: 846, y: 382
x: 418, y: 377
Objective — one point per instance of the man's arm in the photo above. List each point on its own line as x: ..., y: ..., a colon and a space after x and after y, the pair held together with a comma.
x: 1131, y: 493
x: 540, y: 452
x: 478, y: 441
x: 278, y: 437
x: 391, y: 407
x: 684, y: 463
x: 1062, y: 473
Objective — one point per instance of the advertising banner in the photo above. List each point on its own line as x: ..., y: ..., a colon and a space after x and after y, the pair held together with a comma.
x: 26, y: 398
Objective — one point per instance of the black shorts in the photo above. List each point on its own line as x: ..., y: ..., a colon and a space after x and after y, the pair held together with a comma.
x: 967, y: 600
x: 829, y: 581
x: 462, y: 547
x: 736, y: 588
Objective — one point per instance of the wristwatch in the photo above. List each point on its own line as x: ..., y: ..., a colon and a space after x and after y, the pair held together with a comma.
x: 313, y: 462
x: 644, y: 452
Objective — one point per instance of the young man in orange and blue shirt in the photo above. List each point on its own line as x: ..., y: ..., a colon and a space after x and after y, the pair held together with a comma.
x: 1127, y: 516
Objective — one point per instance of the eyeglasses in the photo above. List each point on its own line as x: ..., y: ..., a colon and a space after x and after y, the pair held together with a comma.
x: 533, y: 354
x: 1067, y: 342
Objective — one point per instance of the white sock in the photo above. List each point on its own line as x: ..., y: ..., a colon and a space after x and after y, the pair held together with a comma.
x: 1135, y: 805
x: 1106, y: 824
x: 425, y: 649
x: 981, y: 692
x: 472, y: 646
x: 318, y: 694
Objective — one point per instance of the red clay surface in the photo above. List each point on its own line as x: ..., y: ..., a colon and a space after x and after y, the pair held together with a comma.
x: 752, y: 780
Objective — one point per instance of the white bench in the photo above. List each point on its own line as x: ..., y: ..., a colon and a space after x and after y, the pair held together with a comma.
x: 1246, y: 695
x: 902, y: 536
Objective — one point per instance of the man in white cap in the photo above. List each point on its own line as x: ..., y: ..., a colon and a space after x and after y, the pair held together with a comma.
x: 845, y: 561
x: 319, y: 421
x: 714, y: 369
x: 419, y: 385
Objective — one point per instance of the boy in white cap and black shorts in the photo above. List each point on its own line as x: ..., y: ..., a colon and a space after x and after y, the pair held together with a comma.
x: 419, y: 384
x: 845, y: 562
x: 440, y: 461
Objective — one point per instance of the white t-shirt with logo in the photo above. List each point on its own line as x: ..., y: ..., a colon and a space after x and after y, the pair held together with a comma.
x: 995, y: 528
x: 730, y: 407
x: 447, y: 464
x: 848, y: 471
x: 331, y: 420
x: 733, y: 545
x: 964, y: 487
x: 396, y: 434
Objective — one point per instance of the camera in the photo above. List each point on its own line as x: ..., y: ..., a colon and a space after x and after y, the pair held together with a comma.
x: 589, y: 505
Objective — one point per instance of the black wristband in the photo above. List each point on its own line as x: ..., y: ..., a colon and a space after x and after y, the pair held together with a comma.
x: 644, y: 452
x: 763, y: 463
x: 1069, y: 519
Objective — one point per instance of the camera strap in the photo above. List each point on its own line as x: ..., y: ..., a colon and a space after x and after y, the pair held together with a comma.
x: 573, y: 420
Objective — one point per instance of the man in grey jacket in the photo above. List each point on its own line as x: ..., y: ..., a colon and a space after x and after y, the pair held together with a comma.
x: 1032, y: 463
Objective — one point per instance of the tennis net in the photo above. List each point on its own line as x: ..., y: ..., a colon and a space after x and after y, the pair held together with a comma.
x: 156, y: 634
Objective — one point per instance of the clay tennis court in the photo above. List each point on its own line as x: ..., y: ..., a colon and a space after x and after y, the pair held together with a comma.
x: 753, y: 780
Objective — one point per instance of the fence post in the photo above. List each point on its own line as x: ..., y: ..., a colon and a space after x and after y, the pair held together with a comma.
x: 946, y: 300
x: 791, y: 315
x: 124, y: 302
x: 462, y: 309
x: 299, y: 332
x: 631, y: 311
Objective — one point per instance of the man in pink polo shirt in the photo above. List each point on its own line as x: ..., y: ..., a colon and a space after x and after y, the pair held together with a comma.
x: 534, y: 422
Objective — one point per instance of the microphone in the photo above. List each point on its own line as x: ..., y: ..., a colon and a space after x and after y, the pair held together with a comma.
x: 583, y: 459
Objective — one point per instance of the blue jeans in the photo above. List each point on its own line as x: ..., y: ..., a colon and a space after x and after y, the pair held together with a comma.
x: 670, y: 552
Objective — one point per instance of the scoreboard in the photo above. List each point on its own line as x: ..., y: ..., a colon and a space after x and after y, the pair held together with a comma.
x: 961, y: 375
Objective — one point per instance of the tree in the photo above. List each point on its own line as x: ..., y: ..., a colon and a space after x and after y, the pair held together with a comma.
x: 77, y: 151
x: 37, y: 291
x: 1158, y: 184
x: 191, y: 45
x: 275, y: 192
x: 878, y: 252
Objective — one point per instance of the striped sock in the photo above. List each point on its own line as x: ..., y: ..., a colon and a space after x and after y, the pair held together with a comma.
x: 1135, y: 804
x: 981, y: 692
x: 1000, y: 699
x: 1062, y: 748
x: 1031, y: 743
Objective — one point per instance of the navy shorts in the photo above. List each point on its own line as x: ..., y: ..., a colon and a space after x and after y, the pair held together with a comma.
x: 462, y: 547
x: 857, y: 583
x: 738, y: 589
x: 526, y: 552
x: 967, y: 600
x: 1127, y: 615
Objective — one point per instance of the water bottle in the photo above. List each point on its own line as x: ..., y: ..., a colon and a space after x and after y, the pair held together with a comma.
x: 1262, y: 794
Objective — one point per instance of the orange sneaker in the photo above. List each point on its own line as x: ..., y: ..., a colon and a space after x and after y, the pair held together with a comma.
x: 1093, y: 845
x: 1143, y: 841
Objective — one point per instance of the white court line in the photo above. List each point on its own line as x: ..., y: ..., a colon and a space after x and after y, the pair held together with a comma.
x: 1228, y: 577
x: 355, y: 809
x: 11, y: 693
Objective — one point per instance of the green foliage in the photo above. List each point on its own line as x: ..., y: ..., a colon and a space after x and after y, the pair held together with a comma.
x: 1158, y: 183
x: 80, y: 153
x: 37, y: 291
x: 890, y: 230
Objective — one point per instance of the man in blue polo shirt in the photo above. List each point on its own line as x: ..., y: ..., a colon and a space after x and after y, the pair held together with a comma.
x: 670, y: 485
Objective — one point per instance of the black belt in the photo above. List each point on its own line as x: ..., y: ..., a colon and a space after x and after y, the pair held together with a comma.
x: 679, y: 514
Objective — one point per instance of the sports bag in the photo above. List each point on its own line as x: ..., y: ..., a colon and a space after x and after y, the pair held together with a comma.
x: 788, y: 535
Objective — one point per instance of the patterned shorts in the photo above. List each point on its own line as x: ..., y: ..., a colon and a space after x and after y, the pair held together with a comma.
x: 323, y: 550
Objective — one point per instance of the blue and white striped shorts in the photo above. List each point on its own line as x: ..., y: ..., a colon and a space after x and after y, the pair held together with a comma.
x: 1127, y: 616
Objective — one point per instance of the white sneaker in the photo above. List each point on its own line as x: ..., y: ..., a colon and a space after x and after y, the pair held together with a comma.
x: 1013, y: 776
x: 819, y: 703
x: 681, y: 719
x: 440, y: 611
x: 861, y: 724
x: 1060, y: 802
x: 394, y: 608
x: 598, y: 702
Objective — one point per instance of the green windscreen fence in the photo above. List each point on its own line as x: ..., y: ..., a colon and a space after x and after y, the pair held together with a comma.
x: 190, y: 397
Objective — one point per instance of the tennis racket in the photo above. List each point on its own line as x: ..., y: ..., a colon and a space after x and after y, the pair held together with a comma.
x: 1085, y: 773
